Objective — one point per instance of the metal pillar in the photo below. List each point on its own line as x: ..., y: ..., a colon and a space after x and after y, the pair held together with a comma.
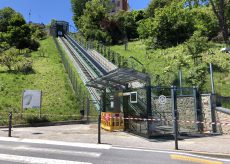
x: 10, y: 124
x: 211, y: 76
x: 87, y: 109
x: 213, y: 113
x: 149, y: 103
x: 175, y: 115
x: 195, y: 108
x: 180, y: 80
x: 102, y: 108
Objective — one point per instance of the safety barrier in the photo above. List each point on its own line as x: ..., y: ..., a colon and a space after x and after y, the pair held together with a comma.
x: 112, y: 121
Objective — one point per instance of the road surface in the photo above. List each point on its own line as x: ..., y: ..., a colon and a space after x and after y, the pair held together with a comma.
x: 31, y: 151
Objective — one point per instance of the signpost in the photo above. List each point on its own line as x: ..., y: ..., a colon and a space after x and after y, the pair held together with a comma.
x: 32, y: 99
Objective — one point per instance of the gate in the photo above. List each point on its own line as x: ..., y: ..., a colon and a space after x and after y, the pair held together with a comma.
x: 159, y: 121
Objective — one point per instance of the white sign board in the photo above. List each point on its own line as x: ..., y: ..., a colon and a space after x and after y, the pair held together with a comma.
x: 162, y: 99
x: 31, y: 99
x: 133, y: 97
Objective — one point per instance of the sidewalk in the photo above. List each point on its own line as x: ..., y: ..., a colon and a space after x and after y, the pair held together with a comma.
x: 87, y: 133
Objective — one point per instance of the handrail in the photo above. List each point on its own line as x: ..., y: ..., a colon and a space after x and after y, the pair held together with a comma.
x: 223, y: 110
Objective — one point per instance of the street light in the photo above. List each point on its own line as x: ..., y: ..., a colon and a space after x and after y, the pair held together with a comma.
x: 211, y: 72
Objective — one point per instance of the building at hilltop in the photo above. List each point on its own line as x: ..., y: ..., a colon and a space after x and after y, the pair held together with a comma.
x: 119, y: 5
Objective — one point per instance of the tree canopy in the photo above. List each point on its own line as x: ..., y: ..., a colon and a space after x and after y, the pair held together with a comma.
x: 78, y: 7
x: 14, y: 31
x: 163, y: 24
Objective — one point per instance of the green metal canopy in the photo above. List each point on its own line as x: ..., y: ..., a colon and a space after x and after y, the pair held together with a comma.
x: 118, y: 78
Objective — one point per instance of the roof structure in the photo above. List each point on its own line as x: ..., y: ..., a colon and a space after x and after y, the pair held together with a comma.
x: 119, y: 78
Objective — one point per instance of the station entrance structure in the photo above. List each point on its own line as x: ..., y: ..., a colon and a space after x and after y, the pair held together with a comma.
x: 156, y: 110
x: 117, y: 106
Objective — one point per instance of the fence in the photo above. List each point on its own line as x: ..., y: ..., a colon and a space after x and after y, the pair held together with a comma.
x: 29, y: 118
x: 109, y: 54
x: 80, y: 90
x: 223, y: 101
x: 164, y: 107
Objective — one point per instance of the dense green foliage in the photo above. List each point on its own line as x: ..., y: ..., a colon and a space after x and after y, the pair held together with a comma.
x: 156, y: 4
x: 163, y: 24
x: 89, y: 24
x: 163, y: 65
x: 17, y: 40
x: 78, y: 7
x: 14, y: 31
x: 96, y: 22
x: 171, y: 25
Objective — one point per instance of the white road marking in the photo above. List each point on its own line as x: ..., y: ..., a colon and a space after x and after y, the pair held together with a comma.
x: 63, y: 152
x: 54, y: 151
x: 61, y: 143
x: 35, y: 160
x: 171, y: 152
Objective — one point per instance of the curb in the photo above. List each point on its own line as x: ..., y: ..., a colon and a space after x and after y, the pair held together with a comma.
x: 210, y: 154
x: 194, y: 152
x: 48, y: 124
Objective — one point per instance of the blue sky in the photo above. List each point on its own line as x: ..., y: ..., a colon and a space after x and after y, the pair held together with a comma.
x: 42, y: 11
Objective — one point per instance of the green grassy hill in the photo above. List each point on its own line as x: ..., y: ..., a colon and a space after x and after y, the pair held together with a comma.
x: 157, y: 62
x: 49, y: 76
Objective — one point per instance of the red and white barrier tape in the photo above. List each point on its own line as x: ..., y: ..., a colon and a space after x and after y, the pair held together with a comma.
x: 164, y: 120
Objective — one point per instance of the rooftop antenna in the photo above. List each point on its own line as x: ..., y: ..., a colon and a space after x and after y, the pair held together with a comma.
x: 29, y: 16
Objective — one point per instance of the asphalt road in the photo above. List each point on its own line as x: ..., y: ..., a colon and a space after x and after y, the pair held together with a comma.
x: 30, y: 151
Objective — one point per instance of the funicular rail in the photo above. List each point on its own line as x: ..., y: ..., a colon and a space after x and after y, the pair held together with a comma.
x: 84, y: 70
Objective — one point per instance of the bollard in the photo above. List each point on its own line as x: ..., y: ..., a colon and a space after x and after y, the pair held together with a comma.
x: 10, y: 124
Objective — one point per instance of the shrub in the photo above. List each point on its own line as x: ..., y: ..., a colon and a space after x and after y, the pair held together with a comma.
x: 34, y: 45
x: 24, y: 65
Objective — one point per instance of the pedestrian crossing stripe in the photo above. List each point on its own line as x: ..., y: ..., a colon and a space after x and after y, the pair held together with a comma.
x: 37, y: 160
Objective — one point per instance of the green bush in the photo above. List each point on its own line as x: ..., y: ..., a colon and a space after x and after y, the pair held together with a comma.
x: 171, y: 25
x: 24, y: 65
x: 205, y: 22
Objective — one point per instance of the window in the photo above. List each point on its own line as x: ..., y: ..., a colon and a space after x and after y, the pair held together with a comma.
x: 118, y: 4
x: 133, y: 97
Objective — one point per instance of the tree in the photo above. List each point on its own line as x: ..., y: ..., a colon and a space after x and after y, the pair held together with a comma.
x: 90, y: 24
x: 218, y: 7
x: 5, y: 18
x: 78, y: 7
x: 171, y: 25
x: 156, y: 4
x: 127, y: 24
x: 14, y: 31
x: 205, y: 22
x: 195, y: 46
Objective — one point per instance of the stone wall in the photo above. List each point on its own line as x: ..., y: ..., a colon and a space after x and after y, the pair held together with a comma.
x: 223, y: 118
x: 185, y: 107
x: 206, y: 112
x: 187, y: 114
x: 208, y: 104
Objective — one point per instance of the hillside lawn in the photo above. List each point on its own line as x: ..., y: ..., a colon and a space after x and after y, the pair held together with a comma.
x: 157, y: 61
x: 58, y: 99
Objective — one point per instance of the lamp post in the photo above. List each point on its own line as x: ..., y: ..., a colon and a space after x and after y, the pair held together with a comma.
x: 211, y: 74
